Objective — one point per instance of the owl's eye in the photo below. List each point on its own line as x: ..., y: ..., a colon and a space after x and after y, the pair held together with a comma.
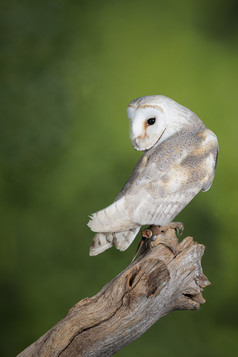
x: 151, y: 121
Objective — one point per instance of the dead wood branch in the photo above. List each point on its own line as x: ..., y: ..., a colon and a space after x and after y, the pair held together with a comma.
x: 167, y: 276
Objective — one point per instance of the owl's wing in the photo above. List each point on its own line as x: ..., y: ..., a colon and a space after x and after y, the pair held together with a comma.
x: 189, y: 170
x: 151, y: 205
x: 165, y: 208
x: 146, y: 202
x: 161, y: 185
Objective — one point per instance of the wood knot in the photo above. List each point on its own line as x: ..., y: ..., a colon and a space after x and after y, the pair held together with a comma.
x: 146, y: 279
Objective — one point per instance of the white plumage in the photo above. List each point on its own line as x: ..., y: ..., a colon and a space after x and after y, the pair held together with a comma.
x: 179, y: 160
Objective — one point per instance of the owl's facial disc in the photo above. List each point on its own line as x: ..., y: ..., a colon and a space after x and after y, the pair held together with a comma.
x: 148, y: 124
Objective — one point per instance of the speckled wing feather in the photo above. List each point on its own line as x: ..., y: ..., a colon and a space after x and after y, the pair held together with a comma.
x: 164, y: 181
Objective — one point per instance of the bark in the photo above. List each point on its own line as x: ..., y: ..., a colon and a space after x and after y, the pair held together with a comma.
x: 167, y: 276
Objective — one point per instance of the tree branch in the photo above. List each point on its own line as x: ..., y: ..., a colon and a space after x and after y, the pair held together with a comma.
x: 167, y: 276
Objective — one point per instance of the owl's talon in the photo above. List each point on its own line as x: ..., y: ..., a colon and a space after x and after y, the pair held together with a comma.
x: 179, y: 231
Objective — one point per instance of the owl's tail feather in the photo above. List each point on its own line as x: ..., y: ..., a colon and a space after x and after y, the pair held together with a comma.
x: 113, y: 218
x: 104, y: 241
x: 101, y: 242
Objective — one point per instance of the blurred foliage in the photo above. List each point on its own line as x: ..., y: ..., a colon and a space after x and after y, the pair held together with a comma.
x: 69, y: 69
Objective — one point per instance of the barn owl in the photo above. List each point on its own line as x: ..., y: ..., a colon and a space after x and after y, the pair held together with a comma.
x: 179, y: 160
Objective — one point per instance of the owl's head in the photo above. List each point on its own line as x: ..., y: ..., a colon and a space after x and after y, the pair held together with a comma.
x: 154, y: 118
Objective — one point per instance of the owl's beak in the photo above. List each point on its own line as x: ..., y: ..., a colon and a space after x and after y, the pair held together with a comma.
x: 136, y: 144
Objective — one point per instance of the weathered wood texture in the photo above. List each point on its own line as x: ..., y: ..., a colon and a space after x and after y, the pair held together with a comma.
x: 167, y: 276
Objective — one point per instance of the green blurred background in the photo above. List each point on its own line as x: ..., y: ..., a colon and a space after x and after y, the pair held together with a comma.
x: 68, y: 71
